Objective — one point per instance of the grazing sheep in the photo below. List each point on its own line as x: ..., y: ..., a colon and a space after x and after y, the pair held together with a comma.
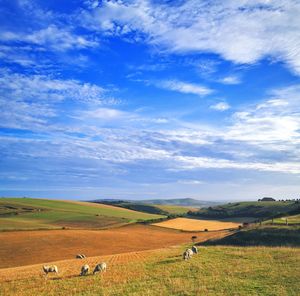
x: 195, y: 249
x: 80, y: 256
x: 85, y: 269
x: 50, y: 268
x: 188, y: 253
x: 100, y: 267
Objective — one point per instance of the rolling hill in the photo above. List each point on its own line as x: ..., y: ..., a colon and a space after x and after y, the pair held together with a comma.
x: 254, y: 209
x: 31, y: 213
x: 168, y: 210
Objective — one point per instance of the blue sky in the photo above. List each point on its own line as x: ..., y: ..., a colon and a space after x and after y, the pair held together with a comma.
x: 150, y: 99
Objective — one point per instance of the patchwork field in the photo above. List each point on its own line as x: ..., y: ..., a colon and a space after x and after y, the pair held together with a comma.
x: 29, y: 247
x: 29, y: 213
x: 214, y: 271
x: 196, y: 225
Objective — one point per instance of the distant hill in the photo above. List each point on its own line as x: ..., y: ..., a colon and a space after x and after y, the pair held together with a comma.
x: 256, y: 209
x: 185, y: 202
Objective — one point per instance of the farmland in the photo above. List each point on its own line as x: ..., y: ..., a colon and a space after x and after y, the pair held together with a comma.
x: 28, y: 247
x: 197, y: 225
x: 214, y: 271
x: 27, y: 213
x: 143, y: 259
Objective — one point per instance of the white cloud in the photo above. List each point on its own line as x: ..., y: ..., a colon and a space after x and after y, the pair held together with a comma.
x: 185, y: 87
x: 222, y: 106
x: 43, y: 87
x: 230, y: 80
x: 30, y: 101
x: 240, y: 31
x: 51, y: 37
x: 188, y: 162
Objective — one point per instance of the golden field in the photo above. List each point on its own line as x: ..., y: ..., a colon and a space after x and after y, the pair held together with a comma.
x: 197, y: 225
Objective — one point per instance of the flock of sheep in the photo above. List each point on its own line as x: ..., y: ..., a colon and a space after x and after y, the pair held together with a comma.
x: 101, y: 267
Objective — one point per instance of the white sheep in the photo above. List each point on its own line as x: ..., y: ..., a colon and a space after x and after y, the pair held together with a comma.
x: 101, y: 267
x: 195, y: 249
x: 50, y: 268
x: 188, y: 253
x: 85, y: 269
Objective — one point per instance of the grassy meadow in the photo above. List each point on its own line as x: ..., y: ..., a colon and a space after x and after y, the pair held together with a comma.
x: 30, y: 213
x: 216, y: 270
x: 290, y: 220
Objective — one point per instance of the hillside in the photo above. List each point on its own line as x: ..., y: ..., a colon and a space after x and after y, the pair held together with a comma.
x: 167, y: 210
x: 217, y: 270
x: 256, y: 210
x: 30, y: 213
x: 266, y: 235
x: 182, y: 202
x: 290, y: 220
x: 186, y: 202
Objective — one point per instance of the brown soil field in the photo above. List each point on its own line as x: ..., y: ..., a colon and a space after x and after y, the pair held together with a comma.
x: 29, y: 247
x: 197, y: 225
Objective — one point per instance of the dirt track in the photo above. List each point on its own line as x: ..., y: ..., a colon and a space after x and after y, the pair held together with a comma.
x: 31, y: 247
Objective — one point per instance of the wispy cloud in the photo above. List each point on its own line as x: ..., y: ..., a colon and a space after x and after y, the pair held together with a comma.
x: 29, y: 101
x: 242, y: 32
x: 185, y: 87
x: 51, y: 37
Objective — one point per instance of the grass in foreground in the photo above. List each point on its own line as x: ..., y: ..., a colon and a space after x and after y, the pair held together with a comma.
x: 215, y: 271
x: 30, y: 213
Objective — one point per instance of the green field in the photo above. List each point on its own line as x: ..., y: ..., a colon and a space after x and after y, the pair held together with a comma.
x: 214, y: 271
x: 175, y: 210
x: 290, y: 220
x: 29, y: 213
x: 256, y: 210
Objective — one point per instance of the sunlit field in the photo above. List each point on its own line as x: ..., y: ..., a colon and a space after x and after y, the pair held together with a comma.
x: 197, y: 225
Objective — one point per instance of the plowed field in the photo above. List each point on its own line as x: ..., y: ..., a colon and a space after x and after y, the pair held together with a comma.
x: 29, y: 247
